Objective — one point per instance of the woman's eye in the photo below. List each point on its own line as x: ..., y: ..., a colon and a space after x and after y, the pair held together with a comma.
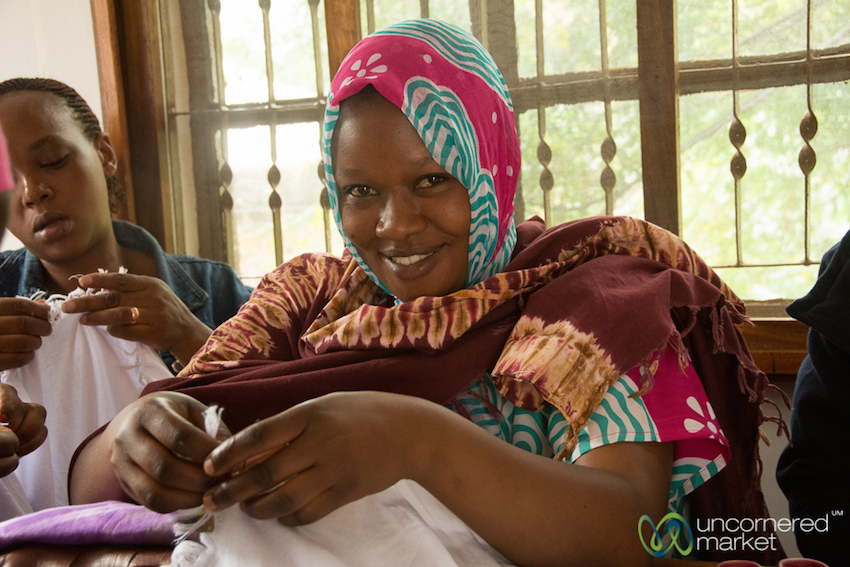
x: 54, y: 163
x: 431, y: 181
x: 359, y: 191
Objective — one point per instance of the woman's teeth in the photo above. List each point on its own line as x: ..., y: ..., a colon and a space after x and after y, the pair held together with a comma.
x: 409, y: 260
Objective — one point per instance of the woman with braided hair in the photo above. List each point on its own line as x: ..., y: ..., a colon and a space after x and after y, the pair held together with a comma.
x: 67, y: 195
x: 62, y: 210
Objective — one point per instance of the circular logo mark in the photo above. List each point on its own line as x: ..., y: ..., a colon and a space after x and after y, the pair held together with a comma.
x: 673, y: 525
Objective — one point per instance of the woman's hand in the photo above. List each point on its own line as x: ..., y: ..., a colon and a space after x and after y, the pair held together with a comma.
x: 303, y: 463
x: 156, y: 447
x: 22, y: 324
x: 142, y: 309
x: 22, y: 429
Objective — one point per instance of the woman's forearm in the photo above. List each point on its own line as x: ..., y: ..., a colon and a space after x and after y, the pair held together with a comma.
x: 91, y: 478
x: 538, y: 511
x: 194, y: 337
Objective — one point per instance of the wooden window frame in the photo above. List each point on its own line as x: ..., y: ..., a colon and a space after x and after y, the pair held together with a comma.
x: 127, y: 47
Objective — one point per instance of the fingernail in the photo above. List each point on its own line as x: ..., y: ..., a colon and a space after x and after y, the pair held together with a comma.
x: 209, y: 504
x: 214, y: 494
x: 210, y: 467
x: 68, y: 307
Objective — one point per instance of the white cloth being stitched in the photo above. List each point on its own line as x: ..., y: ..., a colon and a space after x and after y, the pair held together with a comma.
x: 83, y: 376
x: 402, y: 525
x: 13, y: 501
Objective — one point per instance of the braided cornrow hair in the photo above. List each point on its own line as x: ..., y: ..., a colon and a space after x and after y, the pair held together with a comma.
x: 81, y: 112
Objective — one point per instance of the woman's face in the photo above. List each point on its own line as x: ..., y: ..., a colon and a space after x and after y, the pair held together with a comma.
x: 60, y: 207
x: 406, y: 216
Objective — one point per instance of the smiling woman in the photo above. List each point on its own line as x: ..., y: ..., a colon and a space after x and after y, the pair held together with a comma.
x: 545, y: 388
x: 407, y: 217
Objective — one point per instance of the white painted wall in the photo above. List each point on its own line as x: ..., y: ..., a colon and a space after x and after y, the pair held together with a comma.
x: 49, y: 38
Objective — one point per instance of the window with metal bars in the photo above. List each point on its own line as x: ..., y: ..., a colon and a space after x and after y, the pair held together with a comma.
x: 723, y: 121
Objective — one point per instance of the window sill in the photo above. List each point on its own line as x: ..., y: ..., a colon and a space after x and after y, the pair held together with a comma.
x: 777, y: 344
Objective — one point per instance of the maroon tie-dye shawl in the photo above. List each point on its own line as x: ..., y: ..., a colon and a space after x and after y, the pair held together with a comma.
x: 577, y: 306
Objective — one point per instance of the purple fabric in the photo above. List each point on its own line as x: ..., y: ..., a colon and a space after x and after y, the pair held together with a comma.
x: 101, y: 523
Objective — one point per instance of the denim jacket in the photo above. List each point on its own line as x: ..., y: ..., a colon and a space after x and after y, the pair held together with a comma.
x: 211, y: 290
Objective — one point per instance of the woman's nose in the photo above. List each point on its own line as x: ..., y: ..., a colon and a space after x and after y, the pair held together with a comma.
x: 400, y: 217
x: 34, y: 192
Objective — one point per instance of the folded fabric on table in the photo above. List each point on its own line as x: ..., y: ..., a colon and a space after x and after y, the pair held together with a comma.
x: 108, y: 522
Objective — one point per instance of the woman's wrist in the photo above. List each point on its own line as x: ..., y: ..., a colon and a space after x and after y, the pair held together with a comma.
x: 438, y: 444
x: 193, y: 339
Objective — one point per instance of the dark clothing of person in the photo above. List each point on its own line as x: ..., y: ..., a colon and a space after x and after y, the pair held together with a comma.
x: 813, y: 469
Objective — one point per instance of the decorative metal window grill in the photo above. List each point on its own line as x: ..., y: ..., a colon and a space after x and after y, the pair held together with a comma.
x: 580, y: 98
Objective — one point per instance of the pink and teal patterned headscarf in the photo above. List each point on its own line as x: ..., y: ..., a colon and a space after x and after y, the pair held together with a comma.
x: 450, y: 89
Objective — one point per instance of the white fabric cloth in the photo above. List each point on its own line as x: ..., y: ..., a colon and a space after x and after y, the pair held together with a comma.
x: 402, y: 525
x: 83, y: 376
x: 13, y: 501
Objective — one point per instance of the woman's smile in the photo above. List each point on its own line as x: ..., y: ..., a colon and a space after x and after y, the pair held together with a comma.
x: 411, y: 266
x: 409, y: 260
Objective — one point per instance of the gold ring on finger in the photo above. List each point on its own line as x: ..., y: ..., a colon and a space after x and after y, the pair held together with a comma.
x: 134, y: 315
